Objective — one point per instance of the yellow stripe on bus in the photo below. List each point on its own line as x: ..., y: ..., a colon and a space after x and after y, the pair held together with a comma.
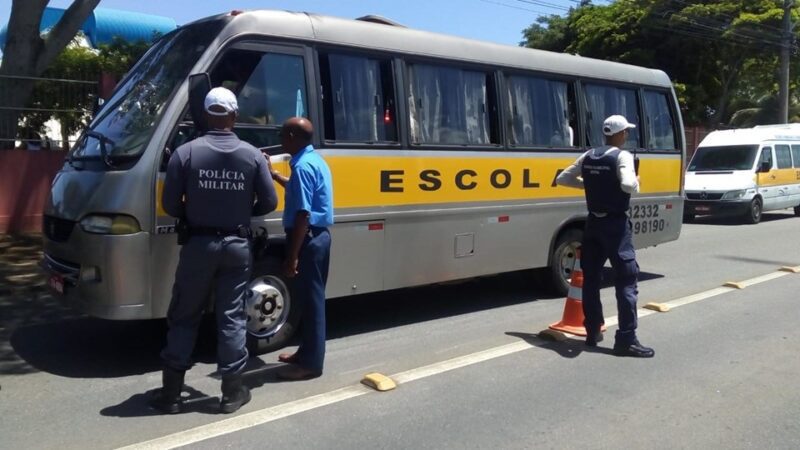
x: 777, y: 177
x: 375, y: 181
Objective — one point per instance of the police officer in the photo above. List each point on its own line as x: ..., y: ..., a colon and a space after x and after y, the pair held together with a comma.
x: 214, y: 183
x: 307, y: 214
x: 608, y: 176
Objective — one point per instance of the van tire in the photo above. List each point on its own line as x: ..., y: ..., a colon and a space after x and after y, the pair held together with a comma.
x: 270, y: 271
x: 753, y: 215
x: 561, y: 259
x: 797, y: 210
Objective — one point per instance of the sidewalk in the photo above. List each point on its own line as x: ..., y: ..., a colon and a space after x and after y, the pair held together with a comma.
x: 24, y: 298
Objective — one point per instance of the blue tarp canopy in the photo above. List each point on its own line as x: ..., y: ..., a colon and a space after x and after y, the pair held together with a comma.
x: 103, y: 24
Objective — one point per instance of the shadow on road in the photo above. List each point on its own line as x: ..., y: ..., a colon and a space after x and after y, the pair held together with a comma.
x: 568, y: 348
x: 734, y: 221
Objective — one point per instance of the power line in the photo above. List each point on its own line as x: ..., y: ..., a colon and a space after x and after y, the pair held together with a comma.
x: 515, y: 7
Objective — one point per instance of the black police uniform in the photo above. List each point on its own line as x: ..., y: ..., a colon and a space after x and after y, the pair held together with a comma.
x: 215, y: 183
x: 608, y: 235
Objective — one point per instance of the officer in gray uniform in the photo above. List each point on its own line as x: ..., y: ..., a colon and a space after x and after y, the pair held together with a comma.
x: 214, y: 183
x: 608, y: 176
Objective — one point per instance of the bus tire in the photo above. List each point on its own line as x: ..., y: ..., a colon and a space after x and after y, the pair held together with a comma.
x: 753, y: 215
x: 797, y: 210
x: 272, y: 317
x: 562, y: 260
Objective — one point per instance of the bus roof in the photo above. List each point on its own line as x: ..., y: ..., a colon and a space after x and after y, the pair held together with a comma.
x: 398, y: 39
x: 755, y: 135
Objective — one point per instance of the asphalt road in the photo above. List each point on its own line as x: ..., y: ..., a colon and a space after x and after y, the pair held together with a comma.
x: 476, y: 373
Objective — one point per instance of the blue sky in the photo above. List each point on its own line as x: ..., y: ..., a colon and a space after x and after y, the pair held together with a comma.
x: 500, y: 21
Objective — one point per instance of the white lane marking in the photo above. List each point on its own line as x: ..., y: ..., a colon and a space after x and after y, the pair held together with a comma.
x: 284, y: 410
x: 250, y: 420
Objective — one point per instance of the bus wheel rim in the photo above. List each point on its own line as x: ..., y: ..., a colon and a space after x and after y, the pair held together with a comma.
x: 267, y: 306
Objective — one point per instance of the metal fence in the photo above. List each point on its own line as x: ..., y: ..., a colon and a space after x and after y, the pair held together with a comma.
x: 51, y: 118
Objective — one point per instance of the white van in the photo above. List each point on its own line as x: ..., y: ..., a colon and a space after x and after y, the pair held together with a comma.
x: 744, y: 172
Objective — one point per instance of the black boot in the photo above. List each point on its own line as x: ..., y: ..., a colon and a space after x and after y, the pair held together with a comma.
x: 234, y: 393
x: 168, y: 398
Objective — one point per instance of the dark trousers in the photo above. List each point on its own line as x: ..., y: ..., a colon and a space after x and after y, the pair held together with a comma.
x: 205, y: 262
x: 610, y: 238
x: 309, y: 291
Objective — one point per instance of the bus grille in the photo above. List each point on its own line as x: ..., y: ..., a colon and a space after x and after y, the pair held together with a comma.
x: 57, y: 229
x: 704, y: 195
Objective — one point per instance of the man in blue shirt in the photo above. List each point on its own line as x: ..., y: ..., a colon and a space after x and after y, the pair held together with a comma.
x: 307, y: 214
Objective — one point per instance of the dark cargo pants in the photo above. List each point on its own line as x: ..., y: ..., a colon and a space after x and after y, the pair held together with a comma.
x: 207, y: 262
x: 309, y: 291
x: 610, y: 238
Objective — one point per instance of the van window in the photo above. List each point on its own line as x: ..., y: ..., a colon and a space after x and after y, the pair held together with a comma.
x: 796, y: 155
x: 358, y: 99
x: 269, y: 87
x: 449, y: 106
x: 542, y: 112
x: 603, y: 101
x: 732, y: 157
x: 784, y: 156
x: 660, y: 125
x: 766, y: 157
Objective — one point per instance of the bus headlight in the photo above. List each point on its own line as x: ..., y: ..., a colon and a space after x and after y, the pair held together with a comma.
x: 110, y: 224
x: 734, y: 195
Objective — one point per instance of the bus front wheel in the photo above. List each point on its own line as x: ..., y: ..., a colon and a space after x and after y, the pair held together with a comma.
x: 272, y: 317
x: 562, y: 260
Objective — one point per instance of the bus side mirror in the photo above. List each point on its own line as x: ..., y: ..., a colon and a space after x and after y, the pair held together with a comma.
x: 199, y: 85
x: 764, y: 167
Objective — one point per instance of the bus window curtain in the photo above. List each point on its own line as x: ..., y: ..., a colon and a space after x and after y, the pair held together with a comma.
x: 357, y: 98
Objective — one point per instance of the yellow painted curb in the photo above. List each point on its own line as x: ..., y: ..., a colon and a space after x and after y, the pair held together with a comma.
x: 552, y: 335
x: 660, y: 307
x: 734, y: 284
x: 795, y: 269
x: 378, y: 381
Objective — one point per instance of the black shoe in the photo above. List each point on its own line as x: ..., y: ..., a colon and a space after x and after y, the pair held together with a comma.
x: 635, y: 350
x: 234, y: 394
x: 593, y: 337
x: 168, y: 399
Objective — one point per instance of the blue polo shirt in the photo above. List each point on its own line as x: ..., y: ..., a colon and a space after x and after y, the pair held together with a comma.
x: 310, y: 188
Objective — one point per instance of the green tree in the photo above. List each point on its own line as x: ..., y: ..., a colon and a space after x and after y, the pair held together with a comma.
x: 705, y: 47
x: 27, y: 53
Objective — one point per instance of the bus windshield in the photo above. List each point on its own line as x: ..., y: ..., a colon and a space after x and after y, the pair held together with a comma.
x: 124, y: 125
x: 732, y: 157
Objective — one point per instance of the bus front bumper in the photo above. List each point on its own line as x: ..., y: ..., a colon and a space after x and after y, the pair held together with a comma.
x: 104, y: 276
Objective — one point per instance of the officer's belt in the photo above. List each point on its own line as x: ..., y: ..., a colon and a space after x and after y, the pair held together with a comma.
x: 242, y: 231
x: 603, y: 215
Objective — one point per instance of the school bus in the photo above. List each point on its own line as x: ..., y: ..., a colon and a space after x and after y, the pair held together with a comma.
x: 444, y: 153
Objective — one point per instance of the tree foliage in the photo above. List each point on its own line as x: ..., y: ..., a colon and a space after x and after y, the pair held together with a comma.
x: 722, y: 55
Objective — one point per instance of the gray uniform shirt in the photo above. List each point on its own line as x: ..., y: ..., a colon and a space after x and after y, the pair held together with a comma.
x: 218, y: 181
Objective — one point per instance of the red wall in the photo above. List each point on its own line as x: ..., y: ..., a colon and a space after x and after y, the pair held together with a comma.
x: 25, y: 178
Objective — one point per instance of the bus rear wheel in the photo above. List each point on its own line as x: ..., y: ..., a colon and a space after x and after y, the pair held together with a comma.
x: 562, y: 260
x: 272, y: 317
x: 797, y: 210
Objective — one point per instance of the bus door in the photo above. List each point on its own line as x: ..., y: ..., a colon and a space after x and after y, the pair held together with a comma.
x: 766, y: 178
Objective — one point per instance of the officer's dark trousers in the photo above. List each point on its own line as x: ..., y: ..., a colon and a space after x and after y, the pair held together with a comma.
x: 309, y: 292
x: 205, y: 262
x: 610, y: 238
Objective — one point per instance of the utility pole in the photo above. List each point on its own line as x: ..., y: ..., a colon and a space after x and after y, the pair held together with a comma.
x: 787, y: 43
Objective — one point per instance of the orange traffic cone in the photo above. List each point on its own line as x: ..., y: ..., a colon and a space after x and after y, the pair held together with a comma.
x: 572, y: 319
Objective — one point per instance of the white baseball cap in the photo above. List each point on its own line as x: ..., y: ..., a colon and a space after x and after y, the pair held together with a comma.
x: 616, y: 123
x: 220, y: 96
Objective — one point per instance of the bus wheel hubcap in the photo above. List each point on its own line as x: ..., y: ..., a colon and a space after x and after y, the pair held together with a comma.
x: 266, y: 306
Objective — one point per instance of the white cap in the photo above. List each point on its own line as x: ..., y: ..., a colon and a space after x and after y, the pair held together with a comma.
x: 220, y: 96
x: 616, y: 123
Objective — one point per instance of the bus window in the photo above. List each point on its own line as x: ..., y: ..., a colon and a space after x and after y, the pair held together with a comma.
x: 784, y: 156
x: 449, y: 106
x: 796, y: 155
x: 660, y: 126
x: 604, y: 101
x: 766, y: 157
x: 358, y: 99
x: 270, y: 88
x: 541, y: 112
